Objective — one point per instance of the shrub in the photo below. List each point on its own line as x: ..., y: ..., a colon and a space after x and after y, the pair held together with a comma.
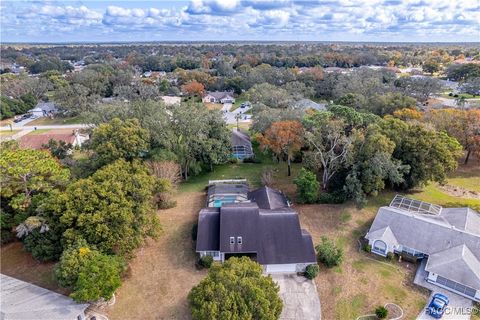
x: 381, y: 312
x: 235, y: 290
x: 311, y: 271
x: 390, y: 256
x: 328, y: 253
x: 90, y: 274
x: 367, y: 248
x: 335, y: 197
x: 307, y: 186
x: 206, y: 261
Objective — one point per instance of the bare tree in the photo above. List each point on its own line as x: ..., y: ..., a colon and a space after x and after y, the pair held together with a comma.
x: 329, y: 149
x: 169, y: 170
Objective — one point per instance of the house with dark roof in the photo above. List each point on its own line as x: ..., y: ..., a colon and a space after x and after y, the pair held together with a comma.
x: 446, y: 239
x: 219, y: 97
x: 259, y: 224
x: 241, y: 145
x: 21, y: 300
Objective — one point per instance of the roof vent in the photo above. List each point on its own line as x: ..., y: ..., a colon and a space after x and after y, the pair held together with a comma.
x: 415, y: 206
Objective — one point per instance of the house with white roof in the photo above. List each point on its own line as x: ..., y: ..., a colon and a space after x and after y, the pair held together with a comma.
x: 448, y: 239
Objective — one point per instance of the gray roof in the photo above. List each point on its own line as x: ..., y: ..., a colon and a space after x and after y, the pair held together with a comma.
x: 282, y: 239
x: 306, y: 104
x: 240, y: 139
x: 457, y: 264
x: 432, y: 234
x: 24, y: 301
x: 268, y: 198
x: 267, y: 225
x: 220, y: 94
x: 209, y: 229
x: 239, y: 219
x: 47, y: 106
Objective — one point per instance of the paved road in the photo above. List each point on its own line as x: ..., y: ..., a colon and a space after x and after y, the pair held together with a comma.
x: 230, y: 117
x: 300, y: 297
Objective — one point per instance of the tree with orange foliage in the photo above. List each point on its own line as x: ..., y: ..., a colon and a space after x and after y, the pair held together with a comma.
x: 463, y: 125
x: 193, y: 88
x: 408, y: 114
x: 283, y: 138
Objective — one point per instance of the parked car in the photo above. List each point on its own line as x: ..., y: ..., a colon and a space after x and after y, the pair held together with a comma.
x: 437, y: 306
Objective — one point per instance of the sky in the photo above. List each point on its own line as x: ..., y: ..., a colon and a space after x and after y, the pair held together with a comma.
x: 241, y: 20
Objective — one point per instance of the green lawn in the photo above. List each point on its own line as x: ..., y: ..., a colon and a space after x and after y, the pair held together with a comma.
x: 55, y: 121
x: 465, y: 95
x: 238, y: 101
x: 8, y: 133
x: 39, y: 131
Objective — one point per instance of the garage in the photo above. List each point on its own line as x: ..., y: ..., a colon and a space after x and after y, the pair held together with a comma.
x: 275, y: 268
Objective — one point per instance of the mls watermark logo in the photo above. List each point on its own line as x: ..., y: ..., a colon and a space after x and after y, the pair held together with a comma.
x: 459, y: 311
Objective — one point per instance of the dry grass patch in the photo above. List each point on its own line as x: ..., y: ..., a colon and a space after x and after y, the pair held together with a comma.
x: 19, y: 264
x: 163, y: 271
x: 361, y: 283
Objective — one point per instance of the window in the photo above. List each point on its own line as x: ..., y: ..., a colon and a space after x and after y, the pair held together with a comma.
x: 232, y: 240
x: 239, y: 240
x: 212, y: 253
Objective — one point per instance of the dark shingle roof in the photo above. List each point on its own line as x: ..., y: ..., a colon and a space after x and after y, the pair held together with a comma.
x: 268, y: 198
x: 282, y: 240
x: 239, y: 220
x: 208, y: 229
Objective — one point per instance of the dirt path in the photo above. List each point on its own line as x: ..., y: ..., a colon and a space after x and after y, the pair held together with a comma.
x: 163, y: 271
x: 456, y: 191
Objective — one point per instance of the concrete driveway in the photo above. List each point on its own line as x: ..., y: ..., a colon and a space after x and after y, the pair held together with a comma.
x: 230, y: 117
x: 300, y: 297
x: 459, y: 307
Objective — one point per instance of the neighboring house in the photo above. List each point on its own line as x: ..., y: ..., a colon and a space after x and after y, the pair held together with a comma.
x: 241, y: 145
x: 306, y: 104
x: 171, y: 100
x: 449, y: 238
x: 37, y: 141
x: 258, y: 224
x: 219, y: 97
x: 44, y: 109
x: 21, y: 301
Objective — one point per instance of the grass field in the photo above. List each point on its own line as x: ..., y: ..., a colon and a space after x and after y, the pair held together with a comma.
x: 8, y: 133
x: 55, y: 121
x: 39, y: 131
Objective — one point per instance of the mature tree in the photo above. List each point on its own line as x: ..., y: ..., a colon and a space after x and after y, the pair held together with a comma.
x: 431, y: 155
x: 75, y: 99
x: 408, y: 114
x: 419, y: 87
x: 463, y: 125
x: 283, y: 138
x: 307, y: 186
x: 462, y: 72
x: 431, y: 66
x: 236, y: 290
x: 25, y: 172
x: 119, y: 139
x: 111, y: 209
x: 389, y: 103
x: 90, y: 274
x: 201, y: 137
x: 329, y: 146
x: 193, y: 88
x: 269, y: 95
x: 372, y: 165
x: 263, y: 116
x: 59, y: 148
x: 472, y: 86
